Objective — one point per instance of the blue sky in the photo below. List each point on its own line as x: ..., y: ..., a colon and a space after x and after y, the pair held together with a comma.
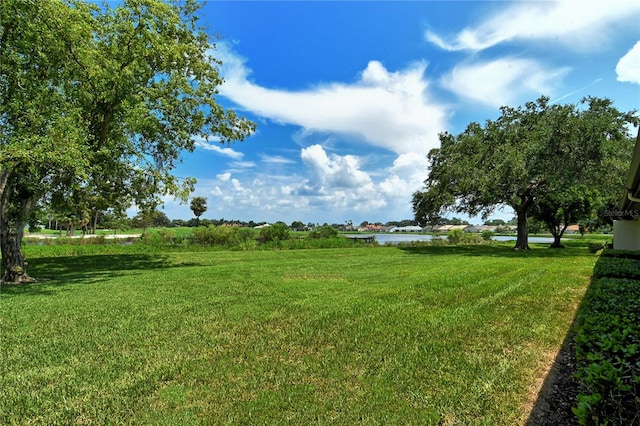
x: 350, y: 96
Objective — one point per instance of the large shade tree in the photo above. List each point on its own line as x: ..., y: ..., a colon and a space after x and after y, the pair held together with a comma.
x: 99, y: 103
x: 539, y: 154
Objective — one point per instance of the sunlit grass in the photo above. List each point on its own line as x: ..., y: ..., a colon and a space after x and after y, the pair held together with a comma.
x: 456, y: 335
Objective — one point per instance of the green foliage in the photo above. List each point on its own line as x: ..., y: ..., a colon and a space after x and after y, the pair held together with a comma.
x: 455, y: 236
x: 225, y: 236
x: 274, y: 233
x: 571, y: 203
x: 617, y: 267
x: 596, y: 246
x: 198, y: 206
x: 608, y: 344
x: 567, y: 158
x: 325, y: 231
x: 297, y: 225
x: 98, y: 104
x: 487, y: 235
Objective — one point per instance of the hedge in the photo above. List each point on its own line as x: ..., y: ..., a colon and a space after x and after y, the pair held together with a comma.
x: 608, y: 343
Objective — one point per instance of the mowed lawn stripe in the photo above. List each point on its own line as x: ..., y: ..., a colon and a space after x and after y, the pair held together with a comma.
x: 335, y: 336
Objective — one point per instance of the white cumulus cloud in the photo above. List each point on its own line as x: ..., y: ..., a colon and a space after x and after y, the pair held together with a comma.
x: 392, y: 110
x: 335, y: 172
x: 628, y: 68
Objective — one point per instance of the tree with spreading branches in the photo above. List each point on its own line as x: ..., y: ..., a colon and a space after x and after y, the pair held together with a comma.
x: 98, y: 103
x: 558, y: 162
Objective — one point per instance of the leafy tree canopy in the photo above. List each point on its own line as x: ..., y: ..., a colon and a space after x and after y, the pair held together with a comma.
x: 97, y: 104
x: 524, y: 157
x: 198, y: 206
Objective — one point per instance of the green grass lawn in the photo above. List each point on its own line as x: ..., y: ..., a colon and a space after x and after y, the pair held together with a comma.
x: 430, y: 335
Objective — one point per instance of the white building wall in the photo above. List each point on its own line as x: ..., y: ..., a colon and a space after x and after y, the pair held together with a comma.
x: 626, y: 234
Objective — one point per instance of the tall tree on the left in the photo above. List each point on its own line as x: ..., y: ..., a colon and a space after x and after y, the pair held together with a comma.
x: 98, y: 103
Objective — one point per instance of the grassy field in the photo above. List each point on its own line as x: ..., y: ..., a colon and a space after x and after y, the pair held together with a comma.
x: 430, y: 335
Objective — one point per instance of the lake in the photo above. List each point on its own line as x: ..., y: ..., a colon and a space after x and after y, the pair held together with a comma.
x: 405, y: 238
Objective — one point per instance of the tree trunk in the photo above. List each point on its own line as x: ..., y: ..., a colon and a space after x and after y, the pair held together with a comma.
x: 556, y: 242
x: 522, y: 210
x: 522, y: 240
x: 557, y: 231
x: 94, y: 225
x: 14, y: 267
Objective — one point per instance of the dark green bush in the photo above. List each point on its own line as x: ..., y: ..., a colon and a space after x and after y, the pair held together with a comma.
x: 617, y: 267
x: 456, y: 236
x: 276, y: 232
x: 224, y: 236
x: 596, y: 246
x: 608, y: 345
x: 325, y: 231
x: 487, y: 235
x: 473, y: 239
x: 312, y: 243
x: 626, y: 254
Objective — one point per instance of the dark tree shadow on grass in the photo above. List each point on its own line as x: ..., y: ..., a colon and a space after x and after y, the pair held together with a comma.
x: 54, y: 272
x: 559, y: 391
x: 499, y: 250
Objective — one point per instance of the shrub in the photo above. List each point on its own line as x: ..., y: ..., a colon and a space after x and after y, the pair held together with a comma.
x: 246, y: 238
x: 312, y: 243
x: 225, y: 236
x: 627, y: 254
x: 472, y: 239
x: 325, y: 231
x: 152, y: 239
x: 608, y: 344
x: 438, y: 241
x: 456, y: 236
x: 276, y: 232
x: 487, y: 235
x: 617, y: 267
x: 167, y: 235
x: 596, y: 246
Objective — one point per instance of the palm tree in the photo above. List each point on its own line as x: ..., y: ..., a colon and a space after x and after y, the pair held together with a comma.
x: 198, y: 206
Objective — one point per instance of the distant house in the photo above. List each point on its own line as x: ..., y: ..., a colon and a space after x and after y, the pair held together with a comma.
x: 572, y: 229
x: 480, y: 228
x: 406, y: 229
x: 372, y: 227
x: 447, y: 228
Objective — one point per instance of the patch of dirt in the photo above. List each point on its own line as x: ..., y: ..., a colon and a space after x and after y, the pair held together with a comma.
x: 559, y: 391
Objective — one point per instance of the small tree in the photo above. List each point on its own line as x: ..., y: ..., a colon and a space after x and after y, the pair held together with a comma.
x: 198, y: 206
x: 161, y: 220
x: 325, y: 231
x: 297, y: 225
x: 560, y: 209
x: 276, y: 232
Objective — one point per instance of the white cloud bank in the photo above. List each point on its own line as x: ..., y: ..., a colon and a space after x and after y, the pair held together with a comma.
x: 577, y: 24
x: 391, y: 110
x: 628, y: 68
x: 332, y: 187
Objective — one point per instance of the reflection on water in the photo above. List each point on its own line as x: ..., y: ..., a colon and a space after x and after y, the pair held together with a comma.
x: 405, y: 238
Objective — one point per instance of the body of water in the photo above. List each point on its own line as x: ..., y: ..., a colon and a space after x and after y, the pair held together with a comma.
x: 405, y: 238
